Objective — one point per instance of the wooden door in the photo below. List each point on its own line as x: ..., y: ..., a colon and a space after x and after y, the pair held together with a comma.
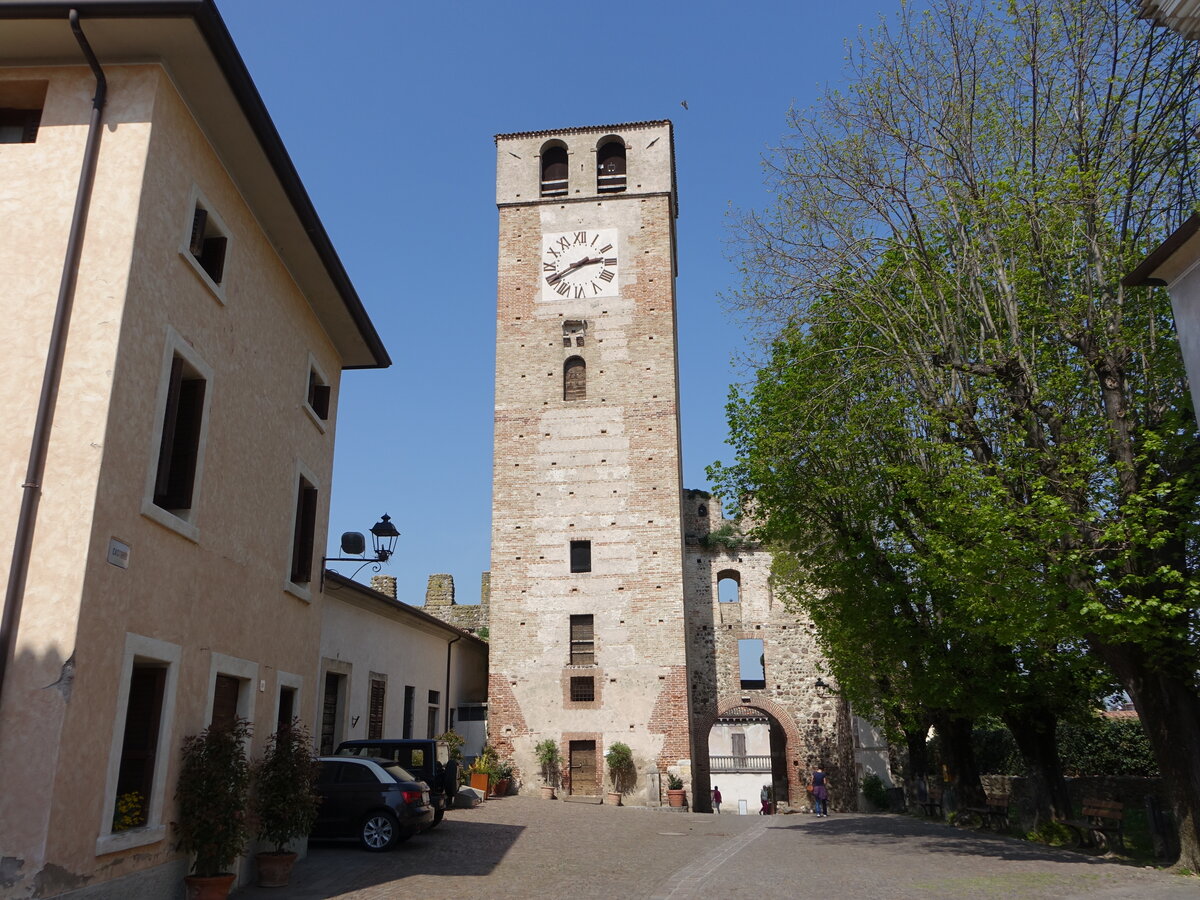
x: 582, y: 763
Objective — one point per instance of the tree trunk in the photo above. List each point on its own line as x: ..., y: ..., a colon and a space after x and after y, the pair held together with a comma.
x: 915, y: 740
x: 959, y: 757
x: 1035, y: 731
x: 1170, y: 714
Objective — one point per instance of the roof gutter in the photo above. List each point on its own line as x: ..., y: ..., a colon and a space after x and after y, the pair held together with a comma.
x: 32, y: 488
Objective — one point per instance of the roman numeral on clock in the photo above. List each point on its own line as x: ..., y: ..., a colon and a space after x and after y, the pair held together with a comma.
x: 606, y: 275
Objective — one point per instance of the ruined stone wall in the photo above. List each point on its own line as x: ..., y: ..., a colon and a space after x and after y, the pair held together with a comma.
x: 440, y: 602
x: 815, y: 720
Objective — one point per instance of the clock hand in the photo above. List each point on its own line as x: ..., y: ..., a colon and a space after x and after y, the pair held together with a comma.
x: 578, y: 264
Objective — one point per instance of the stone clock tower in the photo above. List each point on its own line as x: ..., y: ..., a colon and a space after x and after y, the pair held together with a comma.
x: 587, y: 629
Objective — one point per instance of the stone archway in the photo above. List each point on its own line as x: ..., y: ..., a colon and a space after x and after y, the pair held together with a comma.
x: 792, y: 751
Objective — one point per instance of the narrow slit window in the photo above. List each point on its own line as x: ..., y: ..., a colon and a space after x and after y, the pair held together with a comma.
x: 375, y: 711
x: 583, y: 641
x: 575, y: 379
x: 581, y: 556
x: 752, y: 663
x: 139, y: 748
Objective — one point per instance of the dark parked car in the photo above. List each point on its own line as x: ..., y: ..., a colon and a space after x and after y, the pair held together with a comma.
x: 426, y: 758
x: 375, y: 801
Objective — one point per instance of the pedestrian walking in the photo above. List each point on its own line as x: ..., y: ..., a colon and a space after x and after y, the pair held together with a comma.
x: 764, y: 797
x: 820, y: 793
x: 716, y: 800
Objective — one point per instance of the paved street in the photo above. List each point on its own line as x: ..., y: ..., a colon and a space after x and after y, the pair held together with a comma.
x: 526, y: 847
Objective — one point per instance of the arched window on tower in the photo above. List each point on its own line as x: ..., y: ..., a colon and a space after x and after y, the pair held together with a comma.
x: 729, y: 586
x: 554, y: 171
x: 575, y: 379
x: 610, y: 168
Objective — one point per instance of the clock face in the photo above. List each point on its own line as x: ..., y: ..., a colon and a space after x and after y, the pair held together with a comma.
x: 578, y: 265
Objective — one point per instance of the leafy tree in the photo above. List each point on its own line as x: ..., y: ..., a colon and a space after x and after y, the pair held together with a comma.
x: 999, y: 441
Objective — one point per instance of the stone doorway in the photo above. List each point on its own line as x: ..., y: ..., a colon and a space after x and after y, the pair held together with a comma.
x: 748, y: 744
x: 581, y: 764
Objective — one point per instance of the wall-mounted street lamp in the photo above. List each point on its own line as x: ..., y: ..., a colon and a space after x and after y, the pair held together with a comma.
x: 821, y: 685
x: 383, y: 544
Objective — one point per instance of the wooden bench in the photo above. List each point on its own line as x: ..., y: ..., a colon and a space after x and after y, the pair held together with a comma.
x: 993, y: 816
x: 932, y: 804
x: 1102, y: 824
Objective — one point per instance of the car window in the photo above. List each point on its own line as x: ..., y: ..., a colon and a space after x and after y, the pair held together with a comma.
x: 354, y: 751
x: 328, y: 773
x: 417, y: 760
x: 400, y: 773
x: 356, y: 773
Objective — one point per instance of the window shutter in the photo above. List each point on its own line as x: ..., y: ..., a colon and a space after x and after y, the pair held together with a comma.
x: 375, y: 714
x: 212, y: 260
x: 306, y: 523
x: 319, y: 401
x: 166, y: 446
x: 199, y: 221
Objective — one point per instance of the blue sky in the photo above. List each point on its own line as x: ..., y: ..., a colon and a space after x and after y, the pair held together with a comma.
x: 388, y: 111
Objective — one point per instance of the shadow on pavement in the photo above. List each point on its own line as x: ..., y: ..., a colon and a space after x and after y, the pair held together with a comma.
x: 931, y: 836
x: 455, y: 848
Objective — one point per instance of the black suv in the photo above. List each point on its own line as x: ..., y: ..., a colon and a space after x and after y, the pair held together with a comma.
x: 427, y: 759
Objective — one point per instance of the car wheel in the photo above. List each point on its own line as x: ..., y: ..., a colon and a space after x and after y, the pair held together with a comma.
x: 379, y: 831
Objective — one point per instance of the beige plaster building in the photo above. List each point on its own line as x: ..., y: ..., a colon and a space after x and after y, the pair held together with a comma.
x: 390, y: 670
x: 170, y: 574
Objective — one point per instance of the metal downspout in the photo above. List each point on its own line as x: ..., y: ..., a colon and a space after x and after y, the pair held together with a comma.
x: 23, y: 540
x: 448, y: 651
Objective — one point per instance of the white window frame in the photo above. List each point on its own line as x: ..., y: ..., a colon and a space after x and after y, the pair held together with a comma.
x: 188, y: 523
x: 303, y: 591
x: 197, y: 199
x: 140, y: 648
x: 322, y: 378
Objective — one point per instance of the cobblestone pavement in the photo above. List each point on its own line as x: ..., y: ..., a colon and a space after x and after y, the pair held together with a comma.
x: 526, y: 847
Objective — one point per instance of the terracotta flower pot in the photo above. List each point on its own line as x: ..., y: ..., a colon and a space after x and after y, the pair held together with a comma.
x: 208, y: 887
x: 479, y: 781
x: 614, y: 797
x: 548, y: 792
x: 500, y: 788
x: 275, y: 869
x: 677, y: 798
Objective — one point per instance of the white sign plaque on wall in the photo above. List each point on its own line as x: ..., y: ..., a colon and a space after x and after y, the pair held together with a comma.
x: 118, y: 553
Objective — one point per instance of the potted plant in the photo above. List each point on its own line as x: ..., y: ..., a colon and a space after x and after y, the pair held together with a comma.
x: 214, y: 781
x: 285, y: 799
x: 621, y: 771
x: 676, y: 795
x: 503, y: 774
x: 548, y: 758
x: 484, y: 769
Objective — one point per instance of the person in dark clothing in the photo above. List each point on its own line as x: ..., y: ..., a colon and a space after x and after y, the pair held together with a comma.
x: 820, y: 793
x: 716, y: 800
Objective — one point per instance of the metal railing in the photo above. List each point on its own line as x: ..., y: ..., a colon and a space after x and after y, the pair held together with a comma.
x: 739, y: 763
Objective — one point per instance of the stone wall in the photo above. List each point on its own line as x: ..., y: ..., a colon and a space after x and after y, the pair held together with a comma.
x: 440, y: 603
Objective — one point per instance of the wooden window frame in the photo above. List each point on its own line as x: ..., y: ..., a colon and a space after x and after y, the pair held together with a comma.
x: 582, y: 640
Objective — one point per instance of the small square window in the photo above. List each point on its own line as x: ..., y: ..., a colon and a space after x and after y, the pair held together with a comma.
x: 207, y: 244
x: 318, y: 394
x: 581, y: 556
x: 583, y: 688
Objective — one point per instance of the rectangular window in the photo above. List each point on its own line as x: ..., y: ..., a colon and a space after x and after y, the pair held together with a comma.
x: 375, y: 717
x: 143, y: 716
x: 410, y: 699
x: 752, y: 663
x: 318, y: 395
x: 431, y: 725
x: 472, y: 713
x: 225, y: 701
x: 583, y: 688
x: 581, y: 556
x: 287, y: 708
x: 583, y: 646
x: 21, y: 105
x: 207, y: 244
x: 435, y: 697
x: 331, y: 712
x: 179, y: 445
x: 304, y: 531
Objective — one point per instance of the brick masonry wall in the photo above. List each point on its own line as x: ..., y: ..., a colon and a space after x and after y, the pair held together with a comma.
x: 814, y: 721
